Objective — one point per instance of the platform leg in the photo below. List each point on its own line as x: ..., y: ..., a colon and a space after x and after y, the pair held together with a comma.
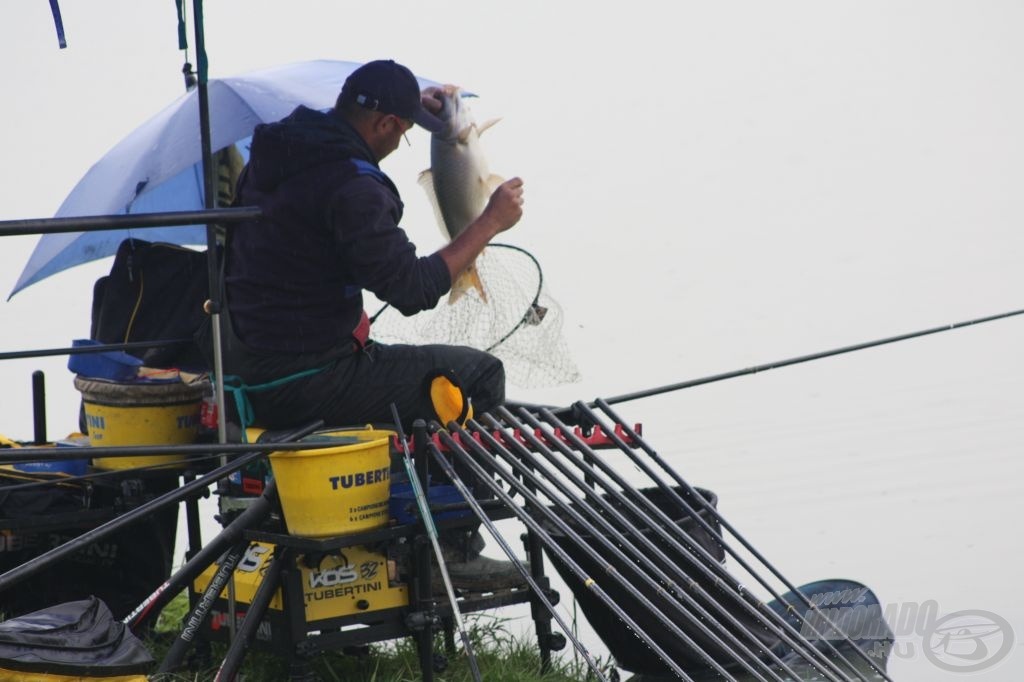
x: 195, y: 535
x: 539, y: 613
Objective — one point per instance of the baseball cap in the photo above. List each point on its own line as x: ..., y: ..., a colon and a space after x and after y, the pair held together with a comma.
x: 388, y: 87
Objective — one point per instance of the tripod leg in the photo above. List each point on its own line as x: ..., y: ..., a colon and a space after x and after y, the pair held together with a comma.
x: 547, y: 640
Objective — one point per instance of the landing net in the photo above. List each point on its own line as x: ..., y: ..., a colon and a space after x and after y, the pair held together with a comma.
x: 520, y: 323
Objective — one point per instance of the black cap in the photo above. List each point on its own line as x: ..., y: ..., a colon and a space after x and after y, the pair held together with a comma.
x: 389, y: 87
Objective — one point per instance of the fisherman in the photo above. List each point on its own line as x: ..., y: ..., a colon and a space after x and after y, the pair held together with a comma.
x: 295, y: 333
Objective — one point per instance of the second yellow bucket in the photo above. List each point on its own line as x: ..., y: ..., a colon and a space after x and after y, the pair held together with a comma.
x: 341, y: 488
x: 140, y: 414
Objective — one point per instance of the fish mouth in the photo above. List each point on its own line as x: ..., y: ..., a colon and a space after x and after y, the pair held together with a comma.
x: 451, y: 111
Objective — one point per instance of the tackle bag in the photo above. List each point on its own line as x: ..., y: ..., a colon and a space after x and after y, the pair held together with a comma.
x: 77, y: 640
x: 154, y: 292
x: 122, y: 568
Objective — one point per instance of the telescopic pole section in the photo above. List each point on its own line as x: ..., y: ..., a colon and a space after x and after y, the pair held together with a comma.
x: 632, y: 540
x: 658, y: 390
x: 257, y: 609
x: 820, y: 616
x: 522, y: 479
x: 213, y: 305
x: 538, y: 591
x: 427, y: 519
x: 152, y: 605
x: 552, y: 546
x: 602, y: 473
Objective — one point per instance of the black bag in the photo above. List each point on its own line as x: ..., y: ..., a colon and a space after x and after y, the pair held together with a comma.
x: 76, y: 639
x: 154, y: 291
x: 623, y: 645
x: 122, y: 568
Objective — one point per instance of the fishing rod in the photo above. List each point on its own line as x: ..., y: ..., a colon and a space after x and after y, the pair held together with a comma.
x: 650, y: 550
x: 23, y: 571
x: 195, y: 619
x: 428, y: 523
x: 720, y: 578
x: 100, y: 223
x: 552, y: 546
x: 94, y: 348
x: 36, y: 454
x: 565, y: 412
x: 538, y: 591
x: 59, y: 479
x: 744, y: 598
x: 271, y: 581
x: 257, y: 510
x: 682, y: 598
x: 669, y: 523
x: 820, y: 617
x: 803, y: 358
x: 697, y: 622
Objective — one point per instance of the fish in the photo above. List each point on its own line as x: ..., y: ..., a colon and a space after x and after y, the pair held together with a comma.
x: 459, y: 181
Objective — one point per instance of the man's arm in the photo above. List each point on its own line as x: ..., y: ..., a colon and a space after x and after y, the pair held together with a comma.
x: 503, y: 210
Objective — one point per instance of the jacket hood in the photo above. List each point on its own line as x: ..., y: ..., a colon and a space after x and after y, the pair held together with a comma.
x: 305, y: 138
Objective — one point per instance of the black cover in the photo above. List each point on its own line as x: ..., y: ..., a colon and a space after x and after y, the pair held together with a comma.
x: 122, y: 568
x: 75, y: 638
x: 629, y: 652
x: 154, y: 292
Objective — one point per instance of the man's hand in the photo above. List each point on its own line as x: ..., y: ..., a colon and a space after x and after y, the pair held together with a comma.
x: 505, y: 207
x: 431, y: 98
x: 503, y: 210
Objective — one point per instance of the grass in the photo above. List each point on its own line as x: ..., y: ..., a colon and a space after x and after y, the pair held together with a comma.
x: 501, y: 657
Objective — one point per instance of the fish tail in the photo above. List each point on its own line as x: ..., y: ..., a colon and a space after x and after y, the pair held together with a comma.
x: 469, y: 279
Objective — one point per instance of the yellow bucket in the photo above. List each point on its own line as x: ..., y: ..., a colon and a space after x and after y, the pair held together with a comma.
x: 335, y: 490
x: 140, y: 414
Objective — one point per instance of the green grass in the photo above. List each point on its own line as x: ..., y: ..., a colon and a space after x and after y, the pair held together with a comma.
x: 501, y: 656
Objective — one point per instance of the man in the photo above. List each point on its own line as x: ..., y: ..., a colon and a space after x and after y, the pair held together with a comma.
x: 296, y: 334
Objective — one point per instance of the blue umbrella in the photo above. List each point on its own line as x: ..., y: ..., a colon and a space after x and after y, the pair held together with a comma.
x: 158, y: 166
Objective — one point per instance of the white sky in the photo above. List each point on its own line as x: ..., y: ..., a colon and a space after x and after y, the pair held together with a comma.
x: 709, y: 186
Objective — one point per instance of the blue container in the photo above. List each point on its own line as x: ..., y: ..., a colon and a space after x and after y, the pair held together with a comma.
x: 402, y: 503
x: 113, y: 365
x: 73, y: 467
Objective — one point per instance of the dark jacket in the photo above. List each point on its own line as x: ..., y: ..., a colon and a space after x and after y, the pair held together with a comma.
x: 294, y: 278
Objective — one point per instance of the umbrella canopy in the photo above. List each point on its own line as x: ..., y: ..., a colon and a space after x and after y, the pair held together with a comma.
x: 158, y: 166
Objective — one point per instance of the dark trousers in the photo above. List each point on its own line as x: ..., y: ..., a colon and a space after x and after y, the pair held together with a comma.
x: 359, y: 387
x: 353, y: 386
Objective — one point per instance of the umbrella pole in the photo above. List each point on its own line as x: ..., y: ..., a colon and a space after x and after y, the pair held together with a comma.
x: 210, y: 198
x: 213, y: 271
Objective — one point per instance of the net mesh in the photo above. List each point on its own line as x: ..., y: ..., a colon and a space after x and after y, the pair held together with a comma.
x: 520, y: 323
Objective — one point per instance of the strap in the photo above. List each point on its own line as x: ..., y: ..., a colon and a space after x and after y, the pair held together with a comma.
x: 361, y: 334
x: 240, y: 390
x: 58, y: 23
x: 366, y: 168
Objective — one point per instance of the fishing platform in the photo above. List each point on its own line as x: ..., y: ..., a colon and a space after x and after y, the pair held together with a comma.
x: 299, y: 573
